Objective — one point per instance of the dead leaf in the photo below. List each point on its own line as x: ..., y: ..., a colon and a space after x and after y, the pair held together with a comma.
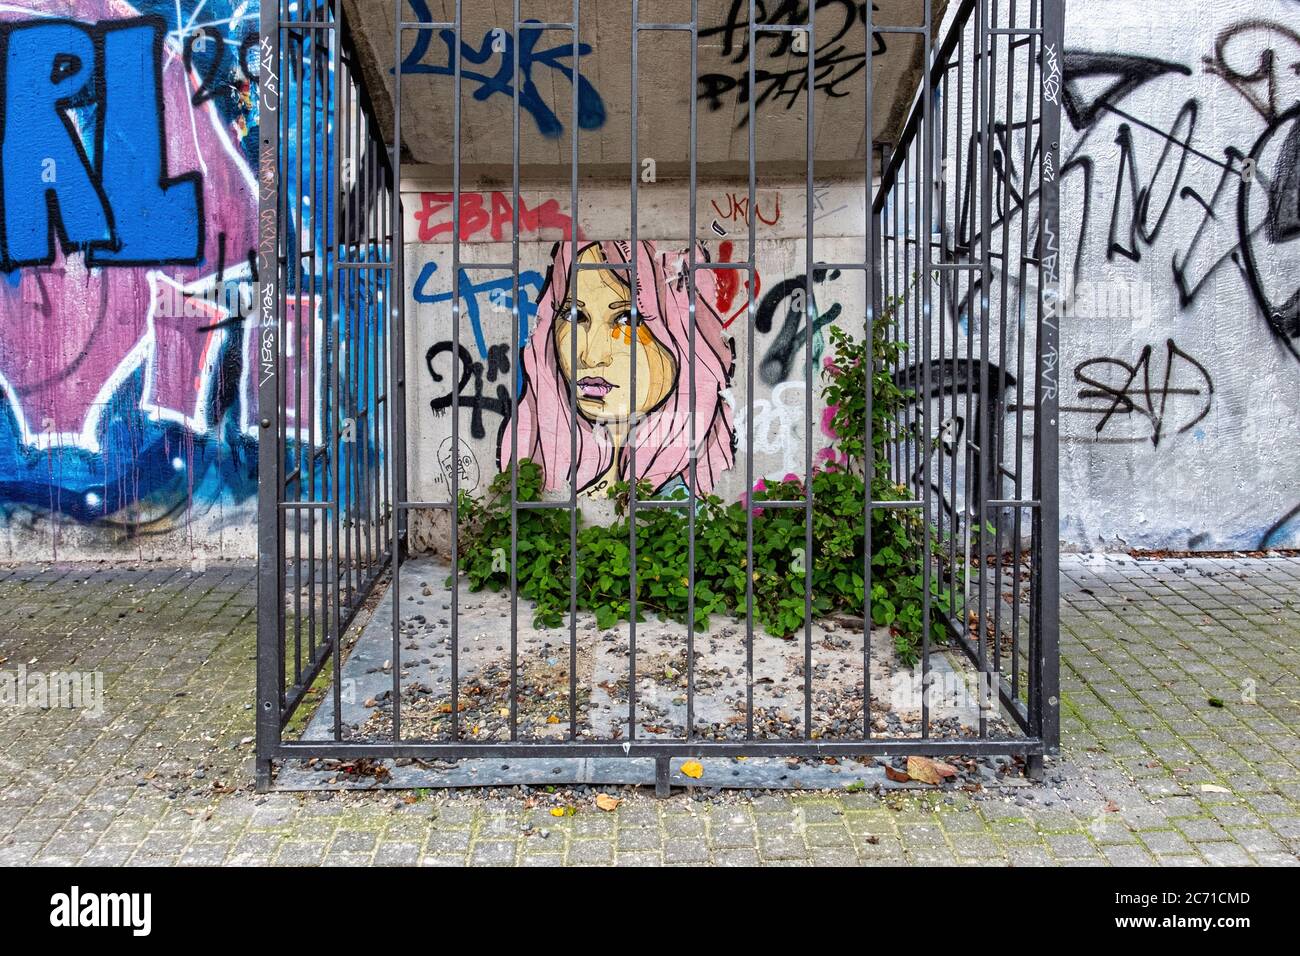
x: 1213, y: 788
x: 898, y: 776
x: 693, y: 769
x: 929, y: 771
x: 553, y: 719
x: 607, y: 803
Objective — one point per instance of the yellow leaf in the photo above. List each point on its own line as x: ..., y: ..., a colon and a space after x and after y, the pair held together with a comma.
x: 607, y: 803
x: 504, y: 712
x: 552, y: 719
x: 557, y: 811
x: 693, y: 769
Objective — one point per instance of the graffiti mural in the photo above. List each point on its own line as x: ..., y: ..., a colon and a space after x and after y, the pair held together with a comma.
x: 748, y: 332
x: 126, y: 237
x: 630, y: 402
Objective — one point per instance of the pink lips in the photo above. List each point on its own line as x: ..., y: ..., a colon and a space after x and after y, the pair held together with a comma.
x: 595, y: 387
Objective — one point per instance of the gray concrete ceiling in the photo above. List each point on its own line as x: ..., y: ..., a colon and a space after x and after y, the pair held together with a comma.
x: 664, y: 92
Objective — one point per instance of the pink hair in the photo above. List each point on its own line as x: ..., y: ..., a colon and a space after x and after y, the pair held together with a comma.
x: 662, y: 436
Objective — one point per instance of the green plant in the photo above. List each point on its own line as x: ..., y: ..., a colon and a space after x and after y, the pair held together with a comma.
x: 780, y: 570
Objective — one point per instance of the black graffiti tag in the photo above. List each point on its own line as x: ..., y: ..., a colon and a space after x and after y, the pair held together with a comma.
x: 1132, y: 391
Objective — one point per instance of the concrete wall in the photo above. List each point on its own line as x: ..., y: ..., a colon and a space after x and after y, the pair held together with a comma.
x: 1181, y: 357
x: 123, y: 401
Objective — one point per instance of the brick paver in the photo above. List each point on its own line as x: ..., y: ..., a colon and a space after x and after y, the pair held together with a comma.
x: 1180, y: 721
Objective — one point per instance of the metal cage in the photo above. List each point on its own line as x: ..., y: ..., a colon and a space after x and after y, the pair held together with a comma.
x: 961, y: 260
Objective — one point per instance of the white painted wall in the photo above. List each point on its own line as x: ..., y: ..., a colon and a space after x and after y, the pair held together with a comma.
x: 1212, y: 460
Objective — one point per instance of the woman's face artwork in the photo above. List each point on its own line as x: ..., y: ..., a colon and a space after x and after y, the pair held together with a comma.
x: 604, y: 331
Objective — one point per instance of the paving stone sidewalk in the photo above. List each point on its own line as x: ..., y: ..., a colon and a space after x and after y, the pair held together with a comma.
x: 1181, y: 711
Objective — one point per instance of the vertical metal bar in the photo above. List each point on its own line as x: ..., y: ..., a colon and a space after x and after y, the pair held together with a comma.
x: 455, y: 377
x: 1031, y: 42
x: 347, y: 310
x: 270, y: 563
x: 998, y: 394
x: 316, y: 294
x: 752, y: 116
x: 691, y: 333
x: 810, y: 318
x: 965, y: 227
x: 983, y: 118
x: 631, y: 431
x: 302, y: 68
x: 870, y: 273
x: 924, y: 214
x: 1046, y: 413
x: 515, y: 357
x: 573, y: 379
x: 396, y: 405
x: 334, y: 316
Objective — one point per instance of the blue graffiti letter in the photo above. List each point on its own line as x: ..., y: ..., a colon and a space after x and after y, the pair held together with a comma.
x: 48, y: 185
x: 157, y: 219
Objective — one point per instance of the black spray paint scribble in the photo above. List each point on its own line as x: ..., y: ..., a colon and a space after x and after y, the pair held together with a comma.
x: 1117, y: 388
x: 1249, y: 222
x: 477, y: 401
x: 1245, y: 221
x: 838, y: 56
x: 790, y: 342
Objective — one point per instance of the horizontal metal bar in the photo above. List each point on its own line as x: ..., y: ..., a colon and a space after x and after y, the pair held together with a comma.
x: 781, y: 28
x: 1012, y: 503
x: 875, y: 746
x: 897, y: 504
x: 409, y: 505
x: 543, y: 505
x: 715, y: 266
x: 956, y: 265
x: 687, y: 27
x: 494, y: 266
x: 307, y: 24
x: 662, y: 503
x: 535, y: 25
x: 841, y: 266
x: 918, y: 31
x: 408, y: 25
x: 382, y: 266
x: 1017, y: 31
x: 306, y: 505
x: 619, y: 266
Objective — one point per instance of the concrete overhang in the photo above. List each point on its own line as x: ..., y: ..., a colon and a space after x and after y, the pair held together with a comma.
x: 840, y: 143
